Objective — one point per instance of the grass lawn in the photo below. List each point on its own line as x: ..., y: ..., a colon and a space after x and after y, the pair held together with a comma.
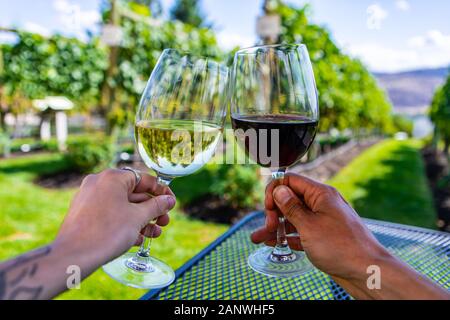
x: 31, y: 216
x: 388, y: 182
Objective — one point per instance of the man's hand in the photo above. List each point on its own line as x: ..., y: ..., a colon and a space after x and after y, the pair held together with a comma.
x: 336, y: 240
x: 107, y: 216
x: 331, y: 233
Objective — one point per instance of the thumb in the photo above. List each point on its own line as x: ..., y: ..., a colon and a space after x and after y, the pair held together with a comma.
x: 290, y: 205
x: 156, y: 207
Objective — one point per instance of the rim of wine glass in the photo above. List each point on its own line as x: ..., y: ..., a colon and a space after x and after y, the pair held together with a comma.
x: 270, y: 46
x: 182, y: 53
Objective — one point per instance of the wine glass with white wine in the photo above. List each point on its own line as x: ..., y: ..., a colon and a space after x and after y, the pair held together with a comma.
x: 178, y: 125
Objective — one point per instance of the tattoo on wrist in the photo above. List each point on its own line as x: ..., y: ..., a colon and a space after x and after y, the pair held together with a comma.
x: 15, y: 273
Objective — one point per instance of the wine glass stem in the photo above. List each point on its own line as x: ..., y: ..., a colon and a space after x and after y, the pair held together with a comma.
x: 281, y: 253
x: 144, y: 250
x: 281, y: 233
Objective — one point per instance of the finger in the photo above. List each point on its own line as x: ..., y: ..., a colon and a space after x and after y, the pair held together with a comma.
x: 290, y: 205
x: 262, y: 235
x: 272, y: 220
x: 163, y: 220
x: 290, y: 229
x: 139, y: 240
x: 155, y: 208
x: 269, y: 203
x: 123, y: 178
x: 151, y: 231
x: 294, y: 243
x: 301, y: 184
x: 155, y: 233
x: 138, y: 197
x: 305, y: 187
x: 149, y: 184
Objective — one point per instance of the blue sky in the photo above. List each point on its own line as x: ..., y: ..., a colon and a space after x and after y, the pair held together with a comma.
x: 388, y: 35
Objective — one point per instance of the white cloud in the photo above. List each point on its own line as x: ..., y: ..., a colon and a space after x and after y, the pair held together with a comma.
x: 402, y: 5
x: 36, y: 28
x: 433, y: 38
x: 426, y: 51
x: 228, y: 40
x: 417, y: 42
x: 7, y: 37
x: 74, y: 19
x: 381, y: 58
x: 375, y: 16
x: 61, y: 5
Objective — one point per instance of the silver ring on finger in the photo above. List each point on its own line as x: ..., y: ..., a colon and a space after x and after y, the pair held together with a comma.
x: 136, y: 173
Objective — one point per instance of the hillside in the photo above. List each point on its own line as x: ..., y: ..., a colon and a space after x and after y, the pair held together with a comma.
x: 412, y: 91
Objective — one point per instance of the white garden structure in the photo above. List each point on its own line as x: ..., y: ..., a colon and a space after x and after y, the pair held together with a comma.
x: 57, y: 107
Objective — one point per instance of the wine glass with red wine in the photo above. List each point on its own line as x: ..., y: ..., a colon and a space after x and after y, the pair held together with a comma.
x: 275, y: 114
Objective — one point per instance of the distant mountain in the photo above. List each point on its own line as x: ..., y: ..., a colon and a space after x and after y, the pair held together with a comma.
x: 411, y: 92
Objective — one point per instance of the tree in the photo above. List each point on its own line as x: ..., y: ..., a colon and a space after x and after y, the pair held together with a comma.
x: 154, y: 5
x: 349, y: 96
x: 188, y: 11
x: 440, y: 113
x: 402, y: 124
x: 36, y: 66
x: 142, y: 45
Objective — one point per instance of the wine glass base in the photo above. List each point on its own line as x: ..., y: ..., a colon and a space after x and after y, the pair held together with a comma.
x: 261, y: 262
x: 160, y: 275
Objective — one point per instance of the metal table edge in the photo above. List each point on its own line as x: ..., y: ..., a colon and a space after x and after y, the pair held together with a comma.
x: 188, y: 265
x: 406, y: 227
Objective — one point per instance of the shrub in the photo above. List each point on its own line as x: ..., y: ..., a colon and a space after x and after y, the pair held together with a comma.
x: 128, y: 148
x: 239, y: 185
x: 50, y: 145
x: 16, y: 144
x: 333, y: 141
x: 34, y: 144
x: 220, y: 193
x: 89, y: 154
x: 401, y: 124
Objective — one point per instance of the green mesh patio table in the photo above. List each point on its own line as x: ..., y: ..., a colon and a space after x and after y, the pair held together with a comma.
x: 221, y: 271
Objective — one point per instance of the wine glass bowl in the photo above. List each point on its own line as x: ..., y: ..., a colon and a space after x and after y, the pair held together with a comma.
x: 181, y: 114
x: 178, y: 125
x: 275, y: 115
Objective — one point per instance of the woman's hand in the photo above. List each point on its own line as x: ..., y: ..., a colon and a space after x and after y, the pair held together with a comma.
x: 336, y: 240
x: 110, y: 214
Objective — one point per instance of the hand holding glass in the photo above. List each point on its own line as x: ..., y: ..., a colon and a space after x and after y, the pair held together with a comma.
x: 275, y: 114
x: 178, y: 126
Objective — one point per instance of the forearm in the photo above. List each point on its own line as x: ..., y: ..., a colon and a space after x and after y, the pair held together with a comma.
x: 398, y: 282
x: 40, y: 274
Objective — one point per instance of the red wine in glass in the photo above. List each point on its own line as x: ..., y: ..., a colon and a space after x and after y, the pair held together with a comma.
x: 275, y: 112
x: 287, y: 138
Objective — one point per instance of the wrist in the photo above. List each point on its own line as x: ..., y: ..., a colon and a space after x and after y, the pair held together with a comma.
x: 364, y: 269
x: 379, y: 257
x: 397, y: 280
x: 69, y: 253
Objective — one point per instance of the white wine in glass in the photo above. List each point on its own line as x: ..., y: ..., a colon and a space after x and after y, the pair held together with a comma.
x: 176, y: 148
